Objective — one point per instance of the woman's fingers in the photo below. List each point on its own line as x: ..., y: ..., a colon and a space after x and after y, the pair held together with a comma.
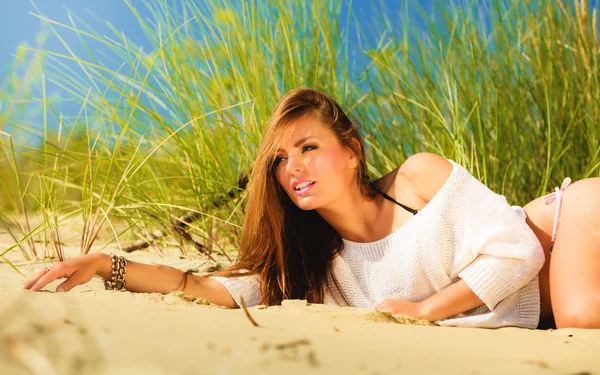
x: 69, y: 283
x: 29, y: 283
x: 58, y: 271
x: 77, y: 271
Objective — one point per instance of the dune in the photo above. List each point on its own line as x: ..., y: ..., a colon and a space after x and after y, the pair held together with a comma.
x: 94, y: 331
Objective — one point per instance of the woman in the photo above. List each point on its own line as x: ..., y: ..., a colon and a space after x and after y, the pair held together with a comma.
x: 426, y: 240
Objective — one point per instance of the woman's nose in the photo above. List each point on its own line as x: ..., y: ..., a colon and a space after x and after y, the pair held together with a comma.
x: 294, y: 164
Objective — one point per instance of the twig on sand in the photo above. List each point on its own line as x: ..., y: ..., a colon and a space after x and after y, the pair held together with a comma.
x: 184, y: 234
x: 146, y: 242
x: 292, y: 344
x: 180, y: 224
x: 248, y: 313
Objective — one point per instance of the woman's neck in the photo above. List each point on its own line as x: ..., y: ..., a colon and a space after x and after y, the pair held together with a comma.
x: 355, y: 217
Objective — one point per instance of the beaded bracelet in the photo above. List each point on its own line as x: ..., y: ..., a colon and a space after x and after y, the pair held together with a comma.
x: 185, y: 278
x: 117, y: 278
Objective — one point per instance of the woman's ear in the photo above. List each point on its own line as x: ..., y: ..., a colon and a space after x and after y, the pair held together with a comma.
x: 353, y: 156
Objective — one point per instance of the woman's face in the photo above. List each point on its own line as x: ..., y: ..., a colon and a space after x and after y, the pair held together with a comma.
x: 312, y: 165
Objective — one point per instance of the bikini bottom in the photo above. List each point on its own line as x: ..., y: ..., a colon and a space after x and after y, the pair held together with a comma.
x: 557, y: 194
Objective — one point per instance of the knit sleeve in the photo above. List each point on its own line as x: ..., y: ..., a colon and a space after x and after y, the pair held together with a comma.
x: 497, y: 253
x: 246, y: 286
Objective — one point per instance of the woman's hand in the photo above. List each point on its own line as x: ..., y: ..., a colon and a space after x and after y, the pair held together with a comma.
x: 77, y: 271
x: 414, y: 309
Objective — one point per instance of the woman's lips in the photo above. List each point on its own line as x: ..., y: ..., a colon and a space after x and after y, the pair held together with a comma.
x: 303, y: 191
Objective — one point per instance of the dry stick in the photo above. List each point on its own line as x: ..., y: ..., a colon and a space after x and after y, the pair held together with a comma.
x: 181, y: 223
x: 136, y: 245
x: 151, y: 238
x: 180, y: 229
x: 147, y: 240
x: 292, y: 344
x: 213, y: 241
x: 248, y: 313
x: 201, y: 248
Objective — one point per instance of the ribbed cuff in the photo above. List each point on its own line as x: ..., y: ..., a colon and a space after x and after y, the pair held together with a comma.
x: 492, y: 279
x: 529, y: 305
x: 241, y: 286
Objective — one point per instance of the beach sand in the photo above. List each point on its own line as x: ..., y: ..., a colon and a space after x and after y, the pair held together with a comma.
x: 90, y: 330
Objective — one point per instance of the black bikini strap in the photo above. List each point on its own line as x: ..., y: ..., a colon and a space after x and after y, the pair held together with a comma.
x: 414, y: 212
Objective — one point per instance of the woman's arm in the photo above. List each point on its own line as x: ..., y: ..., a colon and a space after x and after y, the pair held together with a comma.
x: 454, y: 299
x: 139, y: 277
x: 146, y: 278
x: 497, y: 253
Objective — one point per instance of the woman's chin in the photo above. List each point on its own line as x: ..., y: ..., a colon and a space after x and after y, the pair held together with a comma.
x: 306, y: 204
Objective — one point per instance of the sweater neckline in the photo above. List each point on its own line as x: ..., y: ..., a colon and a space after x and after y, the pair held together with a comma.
x: 421, y: 212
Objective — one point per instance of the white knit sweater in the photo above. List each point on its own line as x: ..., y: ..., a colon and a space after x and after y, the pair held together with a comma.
x: 466, y: 231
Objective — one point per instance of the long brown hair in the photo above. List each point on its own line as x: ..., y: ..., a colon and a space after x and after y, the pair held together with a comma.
x: 291, y: 249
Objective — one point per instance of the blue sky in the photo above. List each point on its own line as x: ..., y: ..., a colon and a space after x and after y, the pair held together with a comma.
x: 17, y: 25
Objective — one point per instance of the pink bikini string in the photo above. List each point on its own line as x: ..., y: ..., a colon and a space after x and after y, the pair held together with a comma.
x: 557, y: 194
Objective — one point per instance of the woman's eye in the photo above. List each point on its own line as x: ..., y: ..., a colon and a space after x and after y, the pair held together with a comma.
x: 279, y: 159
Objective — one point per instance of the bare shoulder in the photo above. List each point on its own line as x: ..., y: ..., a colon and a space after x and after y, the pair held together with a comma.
x: 427, y: 172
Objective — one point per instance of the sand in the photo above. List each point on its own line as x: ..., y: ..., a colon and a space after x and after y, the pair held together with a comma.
x: 90, y: 330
